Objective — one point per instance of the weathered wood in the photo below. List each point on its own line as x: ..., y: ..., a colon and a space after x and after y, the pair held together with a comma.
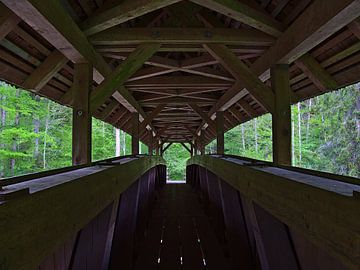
x: 47, y: 221
x: 47, y: 69
x: 112, y: 82
x: 354, y: 27
x: 81, y: 134
x: 151, y: 117
x: 336, y: 231
x: 183, y: 36
x: 8, y: 21
x: 135, y: 133
x: 316, y: 73
x: 281, y: 117
x: 203, y: 115
x: 220, y: 133
x: 242, y: 73
x: 245, y: 14
x: 122, y: 12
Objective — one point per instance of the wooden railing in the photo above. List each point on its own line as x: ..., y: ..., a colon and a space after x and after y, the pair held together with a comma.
x: 39, y: 215
x: 290, y: 218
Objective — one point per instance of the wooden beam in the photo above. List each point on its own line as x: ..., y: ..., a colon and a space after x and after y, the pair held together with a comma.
x: 135, y: 133
x: 47, y: 69
x: 81, y: 133
x: 8, y: 21
x: 123, y: 36
x: 151, y: 116
x: 167, y: 147
x: 185, y: 146
x: 354, y: 27
x: 203, y: 115
x: 316, y: 73
x: 124, y: 71
x: 242, y: 73
x: 108, y: 110
x: 244, y: 13
x: 220, y: 133
x: 281, y: 117
x: 323, y: 20
x: 247, y: 108
x: 54, y: 23
x: 336, y: 232
x: 123, y: 12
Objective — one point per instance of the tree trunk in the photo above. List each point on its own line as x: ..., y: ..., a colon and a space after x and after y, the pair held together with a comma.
x: 124, y: 143
x: 36, y: 131
x: 117, y: 141
x: 47, y: 121
x: 299, y: 132
x: 308, y: 120
x: 256, y: 135
x: 292, y: 139
x: 16, y: 124
x: 243, y: 136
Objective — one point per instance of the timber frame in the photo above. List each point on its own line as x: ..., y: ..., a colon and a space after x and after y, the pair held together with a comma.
x: 177, y: 64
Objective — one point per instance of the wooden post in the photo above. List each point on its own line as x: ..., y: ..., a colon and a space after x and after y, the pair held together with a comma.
x: 81, y: 129
x: 202, y: 143
x: 150, y: 149
x: 135, y: 133
x: 281, y: 117
x: 192, y: 149
x: 220, y: 133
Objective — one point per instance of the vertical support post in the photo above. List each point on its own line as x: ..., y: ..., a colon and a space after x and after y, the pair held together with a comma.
x: 81, y: 126
x: 157, y: 150
x: 220, y: 133
x: 281, y: 117
x: 192, y: 150
x: 150, y: 148
x: 135, y: 134
x: 202, y: 143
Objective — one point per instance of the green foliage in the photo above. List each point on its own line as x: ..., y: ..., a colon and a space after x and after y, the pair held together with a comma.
x: 326, y: 134
x: 176, y: 156
x: 36, y: 134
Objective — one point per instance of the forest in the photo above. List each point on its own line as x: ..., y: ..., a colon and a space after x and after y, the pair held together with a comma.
x: 35, y: 135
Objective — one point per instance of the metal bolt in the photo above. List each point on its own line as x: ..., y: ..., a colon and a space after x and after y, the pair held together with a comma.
x: 80, y: 112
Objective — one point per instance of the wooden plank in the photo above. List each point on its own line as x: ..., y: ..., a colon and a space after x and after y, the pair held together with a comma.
x: 47, y: 221
x: 122, y: 250
x: 203, y: 115
x: 316, y: 73
x: 113, y: 105
x: 245, y: 14
x: 124, y: 36
x: 335, y: 231
x: 127, y: 68
x: 120, y: 13
x: 8, y: 21
x: 242, y: 73
x: 220, y: 133
x: 236, y: 230
x: 278, y: 246
x: 81, y: 134
x: 247, y: 108
x: 281, y: 118
x: 354, y: 27
x: 135, y: 133
x: 151, y: 116
x: 45, y: 71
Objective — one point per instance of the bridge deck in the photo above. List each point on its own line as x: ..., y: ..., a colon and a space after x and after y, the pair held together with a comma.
x: 180, y: 235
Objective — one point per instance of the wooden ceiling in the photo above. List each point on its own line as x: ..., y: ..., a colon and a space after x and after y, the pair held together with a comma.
x: 179, y: 62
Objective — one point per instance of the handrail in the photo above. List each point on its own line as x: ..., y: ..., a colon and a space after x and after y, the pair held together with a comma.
x: 326, y: 212
x: 53, y: 213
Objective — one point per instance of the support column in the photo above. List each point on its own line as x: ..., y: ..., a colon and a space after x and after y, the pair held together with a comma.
x: 135, y: 134
x: 202, y: 143
x: 281, y: 117
x: 220, y: 133
x: 192, y: 149
x: 81, y: 126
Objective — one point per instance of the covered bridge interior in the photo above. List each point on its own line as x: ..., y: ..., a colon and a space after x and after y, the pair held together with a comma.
x: 172, y: 71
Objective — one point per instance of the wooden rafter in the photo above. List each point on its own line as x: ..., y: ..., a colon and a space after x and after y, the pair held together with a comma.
x: 8, y: 21
x: 132, y: 63
x: 244, y: 13
x: 125, y: 11
x: 125, y: 36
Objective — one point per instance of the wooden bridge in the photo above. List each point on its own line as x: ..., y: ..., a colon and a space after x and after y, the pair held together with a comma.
x: 172, y: 71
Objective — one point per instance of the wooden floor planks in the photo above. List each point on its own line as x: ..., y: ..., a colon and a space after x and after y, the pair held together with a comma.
x: 179, y: 235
